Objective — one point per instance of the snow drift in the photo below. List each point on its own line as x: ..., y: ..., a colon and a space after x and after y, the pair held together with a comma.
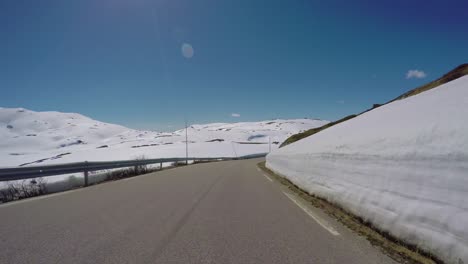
x: 36, y: 138
x: 403, y: 167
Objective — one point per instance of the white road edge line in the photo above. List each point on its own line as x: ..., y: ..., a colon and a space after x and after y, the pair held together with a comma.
x: 266, y: 176
x: 317, y: 219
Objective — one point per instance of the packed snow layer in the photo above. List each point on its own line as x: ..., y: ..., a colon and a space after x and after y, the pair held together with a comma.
x: 403, y: 167
x: 36, y: 138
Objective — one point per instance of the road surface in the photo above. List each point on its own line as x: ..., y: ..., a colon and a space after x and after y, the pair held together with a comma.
x: 224, y: 212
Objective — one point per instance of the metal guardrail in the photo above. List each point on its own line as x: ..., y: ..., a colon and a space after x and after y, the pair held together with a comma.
x: 30, y: 172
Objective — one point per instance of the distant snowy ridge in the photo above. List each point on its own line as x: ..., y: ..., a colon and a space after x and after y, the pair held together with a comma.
x: 403, y: 167
x: 32, y: 138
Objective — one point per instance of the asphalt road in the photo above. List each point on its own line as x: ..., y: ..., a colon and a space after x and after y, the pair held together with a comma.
x: 224, y: 212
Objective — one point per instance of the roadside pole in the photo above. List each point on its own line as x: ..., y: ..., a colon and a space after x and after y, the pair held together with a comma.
x: 186, y: 142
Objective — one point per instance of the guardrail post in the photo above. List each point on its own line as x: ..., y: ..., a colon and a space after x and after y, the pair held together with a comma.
x: 11, y: 174
x: 86, y: 173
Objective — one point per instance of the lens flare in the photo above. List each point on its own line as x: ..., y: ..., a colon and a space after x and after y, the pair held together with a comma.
x: 187, y: 50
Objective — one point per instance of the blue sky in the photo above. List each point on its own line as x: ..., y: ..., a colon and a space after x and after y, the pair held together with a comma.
x: 120, y: 61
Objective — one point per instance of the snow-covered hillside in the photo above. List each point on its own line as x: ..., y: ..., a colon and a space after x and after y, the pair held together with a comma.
x: 403, y: 167
x: 32, y: 138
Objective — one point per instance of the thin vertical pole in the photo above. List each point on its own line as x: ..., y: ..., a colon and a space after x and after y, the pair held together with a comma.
x: 186, y: 142
x: 234, y: 149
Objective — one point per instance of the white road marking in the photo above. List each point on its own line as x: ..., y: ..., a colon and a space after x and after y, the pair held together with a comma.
x: 317, y: 219
x: 266, y: 176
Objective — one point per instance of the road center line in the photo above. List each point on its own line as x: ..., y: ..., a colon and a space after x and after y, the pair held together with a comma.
x: 317, y: 219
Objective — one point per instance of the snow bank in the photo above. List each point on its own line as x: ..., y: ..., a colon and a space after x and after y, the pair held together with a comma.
x: 403, y: 167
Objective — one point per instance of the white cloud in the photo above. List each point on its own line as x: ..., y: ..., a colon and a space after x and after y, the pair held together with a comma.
x: 415, y: 74
x: 340, y: 102
x: 235, y: 115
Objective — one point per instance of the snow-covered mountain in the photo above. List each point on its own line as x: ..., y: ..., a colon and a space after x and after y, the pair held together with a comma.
x: 31, y: 138
x: 402, y: 166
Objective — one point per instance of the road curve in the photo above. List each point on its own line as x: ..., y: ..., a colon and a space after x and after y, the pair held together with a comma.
x: 223, y: 212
